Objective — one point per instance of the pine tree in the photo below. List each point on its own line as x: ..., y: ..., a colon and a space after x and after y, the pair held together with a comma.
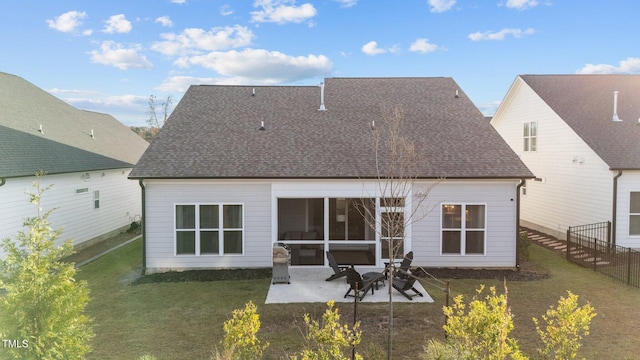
x: 42, y: 309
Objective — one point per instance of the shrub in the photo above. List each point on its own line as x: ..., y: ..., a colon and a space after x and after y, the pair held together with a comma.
x: 240, y: 339
x: 43, y: 307
x: 565, y: 327
x: 329, y: 340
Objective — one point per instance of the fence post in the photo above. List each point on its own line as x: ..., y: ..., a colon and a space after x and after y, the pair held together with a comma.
x: 595, y: 252
x: 629, y: 266
x: 568, y: 243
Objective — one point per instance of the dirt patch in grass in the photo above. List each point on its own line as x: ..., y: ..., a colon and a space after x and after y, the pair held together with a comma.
x: 205, y: 275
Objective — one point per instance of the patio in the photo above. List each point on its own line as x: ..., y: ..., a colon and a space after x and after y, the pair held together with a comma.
x: 309, y: 286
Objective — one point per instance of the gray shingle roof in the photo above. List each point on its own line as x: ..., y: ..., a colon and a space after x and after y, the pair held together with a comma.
x: 214, y: 132
x: 585, y: 103
x: 65, y: 144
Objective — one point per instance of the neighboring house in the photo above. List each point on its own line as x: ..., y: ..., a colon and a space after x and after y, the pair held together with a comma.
x: 87, y: 157
x: 580, y: 135
x: 237, y: 169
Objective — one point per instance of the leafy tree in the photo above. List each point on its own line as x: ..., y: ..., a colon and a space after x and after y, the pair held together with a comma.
x: 43, y: 304
x: 565, y: 327
x: 330, y: 340
x: 240, y: 340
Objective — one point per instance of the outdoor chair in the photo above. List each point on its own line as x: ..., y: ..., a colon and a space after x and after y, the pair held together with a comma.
x: 338, y: 270
x: 406, y: 284
x: 401, y: 271
x: 359, y: 286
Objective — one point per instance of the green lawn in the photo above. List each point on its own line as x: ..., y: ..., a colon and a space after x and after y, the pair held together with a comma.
x: 184, y: 320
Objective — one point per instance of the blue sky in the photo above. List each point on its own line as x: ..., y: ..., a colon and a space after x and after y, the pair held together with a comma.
x: 109, y: 56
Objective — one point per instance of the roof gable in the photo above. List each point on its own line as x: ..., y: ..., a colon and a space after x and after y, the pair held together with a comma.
x: 45, y: 119
x: 214, y: 132
x: 586, y: 103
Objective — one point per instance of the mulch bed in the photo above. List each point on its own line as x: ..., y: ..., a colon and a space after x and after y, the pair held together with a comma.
x: 525, y: 274
x: 205, y: 275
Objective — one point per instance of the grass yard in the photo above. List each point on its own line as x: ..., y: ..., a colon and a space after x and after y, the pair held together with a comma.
x: 183, y: 320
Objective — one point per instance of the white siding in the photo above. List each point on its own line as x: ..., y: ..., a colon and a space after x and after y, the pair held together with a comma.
x: 161, y: 197
x: 260, y: 206
x: 120, y: 202
x: 576, y: 186
x: 627, y: 183
x: 500, y: 200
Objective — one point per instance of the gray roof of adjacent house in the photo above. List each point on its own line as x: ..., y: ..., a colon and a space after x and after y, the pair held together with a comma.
x: 39, y: 132
x: 586, y: 104
x: 214, y: 132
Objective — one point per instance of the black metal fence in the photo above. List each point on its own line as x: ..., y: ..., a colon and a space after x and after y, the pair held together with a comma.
x: 590, y: 246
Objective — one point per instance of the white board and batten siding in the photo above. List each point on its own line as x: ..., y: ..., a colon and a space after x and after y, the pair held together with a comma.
x: 163, y: 195
x: 628, y: 182
x: 260, y: 198
x: 573, y: 185
x: 73, y: 197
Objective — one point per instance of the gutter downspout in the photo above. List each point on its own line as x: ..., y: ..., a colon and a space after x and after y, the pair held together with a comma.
x: 522, y: 182
x: 3, y: 181
x: 614, y: 215
x: 144, y: 228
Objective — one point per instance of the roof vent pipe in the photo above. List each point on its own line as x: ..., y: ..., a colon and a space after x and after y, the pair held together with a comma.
x: 41, y: 130
x: 92, y: 136
x: 322, y: 108
x: 615, y: 106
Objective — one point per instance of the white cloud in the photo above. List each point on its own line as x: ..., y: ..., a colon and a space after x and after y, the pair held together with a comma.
x: 500, y: 35
x: 347, y: 3
x: 117, y: 24
x: 423, y: 46
x: 195, y: 40
x: 179, y: 1
x: 164, y: 21
x: 182, y: 83
x: 521, y: 4
x: 261, y: 66
x: 114, y: 54
x: 438, y: 6
x: 68, y: 21
x: 371, y: 48
x: 226, y: 10
x: 281, y: 11
x: 628, y: 66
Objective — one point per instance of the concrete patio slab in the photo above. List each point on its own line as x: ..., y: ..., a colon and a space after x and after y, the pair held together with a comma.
x: 309, y: 286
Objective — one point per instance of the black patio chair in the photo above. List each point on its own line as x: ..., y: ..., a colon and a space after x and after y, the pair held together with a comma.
x: 338, y: 270
x: 406, y: 284
x: 402, y: 271
x: 359, y: 286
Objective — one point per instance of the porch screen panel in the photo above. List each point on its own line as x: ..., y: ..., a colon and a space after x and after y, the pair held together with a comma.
x: 634, y: 213
x: 352, y: 219
x: 301, y: 219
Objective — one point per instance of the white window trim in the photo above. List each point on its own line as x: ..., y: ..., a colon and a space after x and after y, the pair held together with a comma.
x: 632, y: 214
x: 529, y: 137
x: 197, y: 230
x: 463, y: 229
x: 96, y: 199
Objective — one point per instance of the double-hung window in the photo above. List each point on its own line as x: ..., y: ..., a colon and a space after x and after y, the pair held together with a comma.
x: 209, y: 229
x: 634, y: 213
x: 530, y: 133
x: 463, y: 229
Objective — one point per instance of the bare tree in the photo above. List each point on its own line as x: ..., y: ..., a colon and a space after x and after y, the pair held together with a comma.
x: 155, y: 122
x: 397, y: 160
